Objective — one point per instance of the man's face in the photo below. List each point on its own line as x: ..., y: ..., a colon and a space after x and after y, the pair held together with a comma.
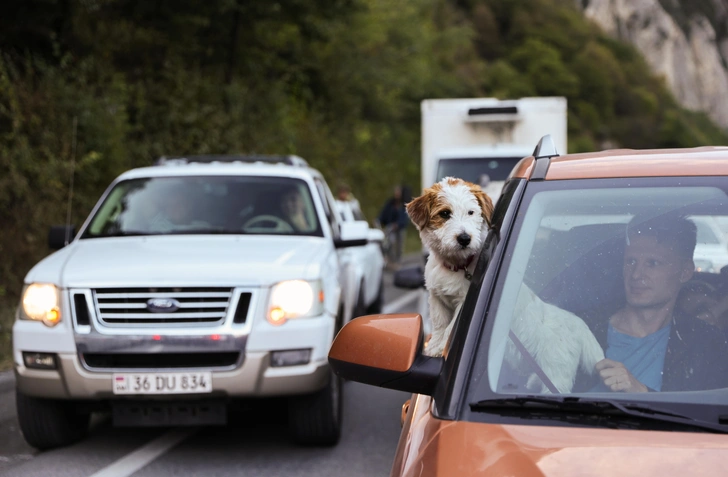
x: 653, y: 272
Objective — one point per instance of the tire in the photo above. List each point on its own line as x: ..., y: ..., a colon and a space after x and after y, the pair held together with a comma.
x: 375, y: 307
x: 50, y: 423
x: 315, y: 419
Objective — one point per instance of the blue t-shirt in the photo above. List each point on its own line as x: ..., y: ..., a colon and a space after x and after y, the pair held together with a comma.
x: 643, y: 357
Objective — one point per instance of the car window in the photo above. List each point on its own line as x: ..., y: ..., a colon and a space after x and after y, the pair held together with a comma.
x: 582, y: 261
x: 206, y: 205
x: 327, y: 200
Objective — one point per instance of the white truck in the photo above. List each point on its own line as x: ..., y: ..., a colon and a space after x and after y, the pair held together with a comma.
x: 481, y: 139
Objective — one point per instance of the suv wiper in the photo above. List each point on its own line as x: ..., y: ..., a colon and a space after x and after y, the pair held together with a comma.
x: 600, y: 407
x: 120, y: 233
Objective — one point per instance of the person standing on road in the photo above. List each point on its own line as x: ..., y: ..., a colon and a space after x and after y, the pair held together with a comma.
x: 393, y: 219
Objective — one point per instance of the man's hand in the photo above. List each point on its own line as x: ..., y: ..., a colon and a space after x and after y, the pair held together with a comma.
x: 617, y: 378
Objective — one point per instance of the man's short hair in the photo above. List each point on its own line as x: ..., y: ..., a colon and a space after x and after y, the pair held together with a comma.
x: 676, y: 231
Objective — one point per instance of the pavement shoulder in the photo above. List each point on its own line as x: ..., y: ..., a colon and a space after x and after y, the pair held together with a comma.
x: 7, y: 381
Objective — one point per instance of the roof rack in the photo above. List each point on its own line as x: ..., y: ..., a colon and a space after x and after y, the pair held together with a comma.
x: 290, y: 160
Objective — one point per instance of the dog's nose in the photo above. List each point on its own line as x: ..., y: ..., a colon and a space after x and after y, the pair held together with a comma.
x: 464, y: 239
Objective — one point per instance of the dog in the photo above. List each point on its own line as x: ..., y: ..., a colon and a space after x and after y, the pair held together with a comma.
x: 452, y: 218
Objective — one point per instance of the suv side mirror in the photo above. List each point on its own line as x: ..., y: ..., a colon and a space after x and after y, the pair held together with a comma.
x: 386, y: 351
x: 353, y: 234
x: 60, y: 235
x: 410, y: 277
x: 376, y: 235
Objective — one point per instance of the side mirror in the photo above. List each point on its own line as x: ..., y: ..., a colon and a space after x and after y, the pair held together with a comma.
x: 410, y: 277
x: 376, y: 235
x: 353, y: 234
x: 386, y: 351
x: 60, y: 235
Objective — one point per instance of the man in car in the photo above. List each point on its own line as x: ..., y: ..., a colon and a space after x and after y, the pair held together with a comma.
x: 648, y: 347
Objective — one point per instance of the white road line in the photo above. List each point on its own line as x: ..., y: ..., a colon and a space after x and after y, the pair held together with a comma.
x: 130, y: 463
x: 395, y: 306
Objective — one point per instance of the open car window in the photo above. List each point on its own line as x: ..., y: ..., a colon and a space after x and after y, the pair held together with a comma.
x: 206, y: 205
x: 570, y: 280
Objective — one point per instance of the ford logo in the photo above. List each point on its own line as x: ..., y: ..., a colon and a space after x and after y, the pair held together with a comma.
x: 162, y: 305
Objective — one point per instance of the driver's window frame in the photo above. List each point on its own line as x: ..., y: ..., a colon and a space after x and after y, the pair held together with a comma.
x: 327, y: 199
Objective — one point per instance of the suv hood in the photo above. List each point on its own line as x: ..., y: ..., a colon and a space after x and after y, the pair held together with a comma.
x: 234, y: 260
x: 473, y: 449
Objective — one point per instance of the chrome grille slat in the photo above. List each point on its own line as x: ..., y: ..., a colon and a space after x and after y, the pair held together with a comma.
x: 165, y: 294
x: 179, y: 316
x: 119, y: 307
x: 143, y: 305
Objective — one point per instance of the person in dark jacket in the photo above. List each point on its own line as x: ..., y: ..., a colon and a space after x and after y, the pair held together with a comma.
x: 649, y: 346
x: 393, y: 219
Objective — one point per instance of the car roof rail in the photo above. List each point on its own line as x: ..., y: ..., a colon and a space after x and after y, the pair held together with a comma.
x: 545, y: 150
x: 290, y: 160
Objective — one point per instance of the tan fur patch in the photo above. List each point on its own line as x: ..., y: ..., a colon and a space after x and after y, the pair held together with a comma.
x: 420, y: 208
x: 486, y: 204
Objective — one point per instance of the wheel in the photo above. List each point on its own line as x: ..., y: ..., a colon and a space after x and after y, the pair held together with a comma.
x: 49, y: 423
x: 315, y: 419
x: 375, y: 307
x: 267, y: 223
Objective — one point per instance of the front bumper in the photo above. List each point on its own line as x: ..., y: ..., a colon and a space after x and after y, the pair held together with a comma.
x: 249, y: 375
x: 253, y: 378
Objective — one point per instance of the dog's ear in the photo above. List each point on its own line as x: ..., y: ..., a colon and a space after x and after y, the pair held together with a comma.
x: 419, y: 210
x: 485, y: 202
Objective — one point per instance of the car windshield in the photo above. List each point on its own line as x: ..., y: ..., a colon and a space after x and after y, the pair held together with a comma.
x: 206, y: 205
x: 477, y: 170
x: 613, y: 286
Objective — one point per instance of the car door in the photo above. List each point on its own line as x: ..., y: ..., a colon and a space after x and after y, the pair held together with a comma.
x: 344, y: 264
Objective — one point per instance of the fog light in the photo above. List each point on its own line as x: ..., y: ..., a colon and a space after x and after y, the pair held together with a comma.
x: 290, y: 357
x: 39, y: 360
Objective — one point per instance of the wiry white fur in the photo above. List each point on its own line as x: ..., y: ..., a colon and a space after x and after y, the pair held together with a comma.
x: 447, y: 288
x: 558, y: 340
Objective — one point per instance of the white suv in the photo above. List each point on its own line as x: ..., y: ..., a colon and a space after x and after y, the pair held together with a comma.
x: 192, y: 282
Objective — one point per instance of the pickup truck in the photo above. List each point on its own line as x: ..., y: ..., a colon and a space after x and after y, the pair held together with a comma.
x: 193, y: 283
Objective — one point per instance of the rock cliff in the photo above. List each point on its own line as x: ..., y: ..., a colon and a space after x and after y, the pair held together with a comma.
x: 686, y: 41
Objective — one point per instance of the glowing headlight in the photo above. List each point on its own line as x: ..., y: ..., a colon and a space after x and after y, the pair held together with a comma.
x: 40, y: 302
x: 295, y: 299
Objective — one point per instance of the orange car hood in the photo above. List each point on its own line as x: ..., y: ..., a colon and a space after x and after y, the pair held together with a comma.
x: 447, y: 448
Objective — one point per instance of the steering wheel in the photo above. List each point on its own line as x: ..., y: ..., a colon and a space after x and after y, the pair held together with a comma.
x: 267, y: 223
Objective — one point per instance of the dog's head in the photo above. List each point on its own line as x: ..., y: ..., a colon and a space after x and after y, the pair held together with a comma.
x: 450, y: 217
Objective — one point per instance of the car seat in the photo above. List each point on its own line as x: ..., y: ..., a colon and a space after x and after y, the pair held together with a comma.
x: 591, y: 285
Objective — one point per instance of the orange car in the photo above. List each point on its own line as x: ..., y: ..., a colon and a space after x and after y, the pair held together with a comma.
x: 592, y: 341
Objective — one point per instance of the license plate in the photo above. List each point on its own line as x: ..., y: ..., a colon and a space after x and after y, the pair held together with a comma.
x: 162, y: 383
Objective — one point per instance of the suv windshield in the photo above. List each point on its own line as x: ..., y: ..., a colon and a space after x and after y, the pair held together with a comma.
x: 206, y: 205
x: 634, y: 271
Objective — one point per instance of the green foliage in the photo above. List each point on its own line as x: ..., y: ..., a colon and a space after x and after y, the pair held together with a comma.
x: 338, y: 82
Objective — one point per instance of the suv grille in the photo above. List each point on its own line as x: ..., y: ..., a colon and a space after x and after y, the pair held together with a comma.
x: 155, y: 306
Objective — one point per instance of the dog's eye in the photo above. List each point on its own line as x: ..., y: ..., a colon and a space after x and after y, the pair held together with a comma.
x: 470, y: 212
x: 445, y: 214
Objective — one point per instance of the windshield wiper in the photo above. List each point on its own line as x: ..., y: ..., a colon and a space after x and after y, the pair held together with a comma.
x: 120, y: 233
x: 601, y: 407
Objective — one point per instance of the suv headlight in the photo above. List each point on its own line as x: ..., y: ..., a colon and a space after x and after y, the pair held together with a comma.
x: 295, y: 299
x: 40, y: 302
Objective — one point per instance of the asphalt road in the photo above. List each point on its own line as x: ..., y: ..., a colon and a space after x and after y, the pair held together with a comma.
x: 254, y: 443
